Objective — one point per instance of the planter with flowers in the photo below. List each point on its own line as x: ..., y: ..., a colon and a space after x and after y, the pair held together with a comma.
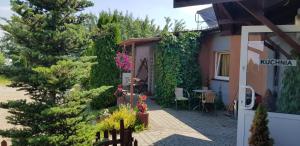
x: 120, y: 95
x: 142, y: 113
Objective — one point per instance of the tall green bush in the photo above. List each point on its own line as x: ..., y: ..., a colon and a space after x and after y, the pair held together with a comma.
x: 260, y: 135
x: 289, y: 101
x: 105, y: 72
x: 167, y: 68
x: 190, y: 76
x: 176, y: 65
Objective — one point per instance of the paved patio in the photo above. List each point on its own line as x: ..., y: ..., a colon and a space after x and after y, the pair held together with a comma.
x: 169, y: 127
x: 8, y: 93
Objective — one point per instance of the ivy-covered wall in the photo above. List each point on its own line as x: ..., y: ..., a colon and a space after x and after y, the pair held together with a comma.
x: 176, y: 65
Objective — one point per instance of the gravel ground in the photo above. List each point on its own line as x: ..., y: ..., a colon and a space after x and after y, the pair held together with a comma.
x: 8, y: 93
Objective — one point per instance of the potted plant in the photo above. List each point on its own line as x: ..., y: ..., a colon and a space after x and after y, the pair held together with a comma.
x: 142, y: 113
x: 120, y: 95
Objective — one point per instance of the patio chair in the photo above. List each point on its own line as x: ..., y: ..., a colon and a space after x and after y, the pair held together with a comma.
x: 208, y: 99
x: 179, y: 96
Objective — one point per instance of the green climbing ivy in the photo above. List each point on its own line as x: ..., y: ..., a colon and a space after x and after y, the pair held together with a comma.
x: 176, y: 65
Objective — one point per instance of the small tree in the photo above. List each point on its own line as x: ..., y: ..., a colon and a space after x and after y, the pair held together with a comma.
x: 259, y: 129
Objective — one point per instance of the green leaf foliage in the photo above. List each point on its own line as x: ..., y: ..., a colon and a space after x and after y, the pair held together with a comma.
x: 45, y: 40
x: 48, y: 29
x: 113, y: 27
x: 55, y: 122
x: 124, y: 112
x: 105, y: 72
x: 2, y: 59
x: 167, y: 67
x: 190, y: 76
x: 176, y: 65
x: 104, y: 99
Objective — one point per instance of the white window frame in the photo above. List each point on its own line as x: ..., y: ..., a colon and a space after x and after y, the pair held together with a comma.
x: 217, y: 64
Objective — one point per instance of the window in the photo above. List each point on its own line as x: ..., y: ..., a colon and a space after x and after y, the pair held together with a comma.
x: 222, y: 61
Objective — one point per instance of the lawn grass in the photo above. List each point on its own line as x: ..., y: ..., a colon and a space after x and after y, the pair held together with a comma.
x: 4, y: 80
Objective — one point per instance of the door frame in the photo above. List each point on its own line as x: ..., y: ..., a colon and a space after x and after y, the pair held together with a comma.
x: 242, y: 111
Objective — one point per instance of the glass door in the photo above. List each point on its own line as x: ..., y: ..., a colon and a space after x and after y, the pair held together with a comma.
x: 270, y: 75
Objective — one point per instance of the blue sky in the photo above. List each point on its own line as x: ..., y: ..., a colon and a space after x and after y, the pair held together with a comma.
x: 154, y: 9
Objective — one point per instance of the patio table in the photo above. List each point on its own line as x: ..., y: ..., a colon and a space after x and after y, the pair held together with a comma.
x: 201, y: 92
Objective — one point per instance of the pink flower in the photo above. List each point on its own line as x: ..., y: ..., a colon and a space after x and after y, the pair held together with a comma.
x: 122, y: 61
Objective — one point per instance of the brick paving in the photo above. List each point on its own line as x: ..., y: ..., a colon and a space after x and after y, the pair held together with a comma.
x: 170, y: 127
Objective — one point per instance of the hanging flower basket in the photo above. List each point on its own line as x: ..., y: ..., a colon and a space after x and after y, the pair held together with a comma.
x: 123, y: 61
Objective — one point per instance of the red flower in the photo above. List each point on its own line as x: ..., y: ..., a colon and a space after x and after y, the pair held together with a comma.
x: 141, y: 105
x: 143, y: 97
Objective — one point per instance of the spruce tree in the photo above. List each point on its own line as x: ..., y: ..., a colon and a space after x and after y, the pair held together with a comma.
x: 259, y: 129
x: 47, y: 31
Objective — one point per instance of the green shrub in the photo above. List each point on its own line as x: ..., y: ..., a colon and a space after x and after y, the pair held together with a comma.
x: 176, y: 65
x: 259, y: 129
x: 103, y: 97
x: 167, y: 66
x: 4, y: 80
x: 113, y: 122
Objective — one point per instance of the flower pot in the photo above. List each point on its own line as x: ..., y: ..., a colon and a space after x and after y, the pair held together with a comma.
x: 144, y: 118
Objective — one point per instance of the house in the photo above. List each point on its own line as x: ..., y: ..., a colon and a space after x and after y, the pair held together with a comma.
x: 221, y: 42
x: 249, y: 56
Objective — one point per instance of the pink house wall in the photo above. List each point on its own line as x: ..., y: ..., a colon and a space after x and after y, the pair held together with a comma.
x: 207, y: 63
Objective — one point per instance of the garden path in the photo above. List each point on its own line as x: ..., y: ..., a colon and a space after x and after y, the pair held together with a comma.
x: 169, y: 127
x: 8, y: 93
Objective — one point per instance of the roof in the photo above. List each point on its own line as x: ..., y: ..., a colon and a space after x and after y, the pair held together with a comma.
x: 185, y: 3
x: 231, y: 16
x: 139, y: 41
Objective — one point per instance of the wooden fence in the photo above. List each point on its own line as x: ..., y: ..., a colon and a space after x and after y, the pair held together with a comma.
x: 125, y: 139
x: 3, y: 143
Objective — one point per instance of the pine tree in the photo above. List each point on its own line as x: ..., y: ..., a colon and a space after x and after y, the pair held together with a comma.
x: 259, y: 129
x: 47, y: 31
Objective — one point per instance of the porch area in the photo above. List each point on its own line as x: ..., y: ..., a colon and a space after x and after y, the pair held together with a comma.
x: 170, y: 127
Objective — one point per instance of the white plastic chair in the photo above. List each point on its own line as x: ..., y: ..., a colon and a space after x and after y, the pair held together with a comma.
x: 179, y: 96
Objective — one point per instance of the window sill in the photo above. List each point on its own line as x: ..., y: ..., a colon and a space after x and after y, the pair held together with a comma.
x: 224, y: 79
